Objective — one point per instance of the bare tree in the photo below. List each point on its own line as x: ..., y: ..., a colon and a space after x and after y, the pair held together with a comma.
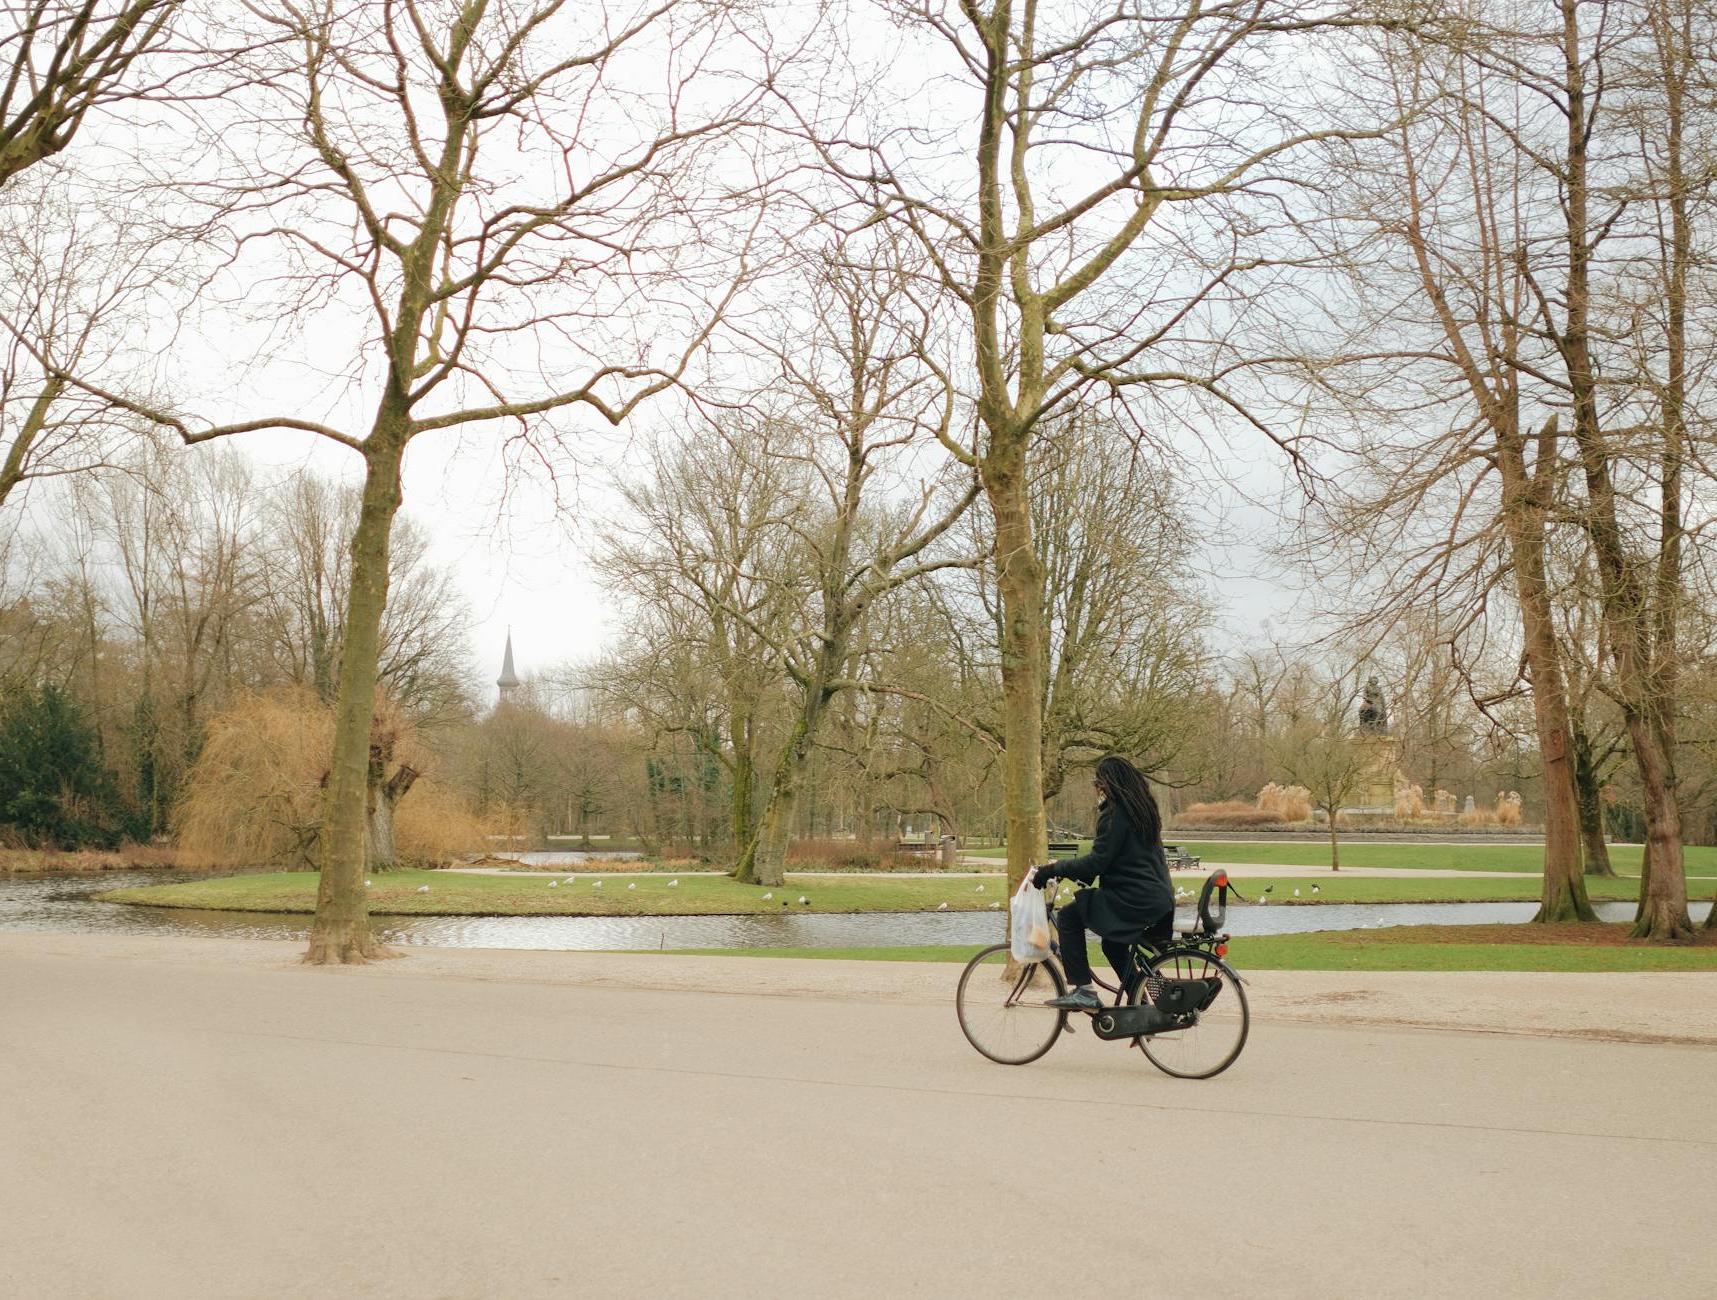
x: 860, y: 392
x: 1093, y: 236
x: 1457, y: 490
x: 1321, y: 751
x: 63, y: 60
x: 699, y: 552
x: 426, y: 171
x: 77, y: 273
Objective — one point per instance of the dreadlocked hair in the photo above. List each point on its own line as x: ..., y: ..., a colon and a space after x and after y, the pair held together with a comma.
x: 1124, y: 785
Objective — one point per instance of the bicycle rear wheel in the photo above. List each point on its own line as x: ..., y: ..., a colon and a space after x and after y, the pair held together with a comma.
x: 1003, y: 1014
x: 1212, y: 1042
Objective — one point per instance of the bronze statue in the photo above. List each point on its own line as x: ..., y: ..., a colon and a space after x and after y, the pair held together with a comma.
x: 1373, y: 716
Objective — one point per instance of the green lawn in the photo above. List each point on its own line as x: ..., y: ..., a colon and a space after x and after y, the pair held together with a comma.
x: 1701, y: 859
x: 395, y: 893
x: 449, y: 893
x: 1446, y: 947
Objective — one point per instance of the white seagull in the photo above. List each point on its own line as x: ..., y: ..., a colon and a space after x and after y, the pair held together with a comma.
x: 597, y: 883
x: 423, y: 889
x: 942, y: 908
x: 980, y: 889
x: 1296, y: 893
x: 633, y: 885
x: 554, y: 884
x: 673, y: 884
x: 769, y: 895
x: 1314, y: 889
x: 804, y: 900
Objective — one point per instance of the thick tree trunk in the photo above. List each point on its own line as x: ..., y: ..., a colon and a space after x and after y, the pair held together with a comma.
x: 384, y: 799
x: 1588, y: 792
x: 1334, y: 848
x: 1663, y: 899
x: 341, y: 930
x: 1020, y: 581
x: 1662, y: 911
x: 764, y: 861
x: 1563, y: 897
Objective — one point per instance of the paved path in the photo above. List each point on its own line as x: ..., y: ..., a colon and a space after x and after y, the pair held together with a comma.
x: 983, y: 868
x: 190, y: 1119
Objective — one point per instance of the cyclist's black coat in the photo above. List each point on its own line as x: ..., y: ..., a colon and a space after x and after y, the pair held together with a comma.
x: 1133, y: 892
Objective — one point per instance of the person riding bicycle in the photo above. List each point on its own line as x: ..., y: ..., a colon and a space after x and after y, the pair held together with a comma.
x: 1133, y: 899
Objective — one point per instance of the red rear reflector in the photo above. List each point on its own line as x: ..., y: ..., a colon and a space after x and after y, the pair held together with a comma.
x: 1221, y: 950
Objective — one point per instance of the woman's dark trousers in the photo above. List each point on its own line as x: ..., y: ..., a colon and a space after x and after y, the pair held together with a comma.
x: 1070, y: 924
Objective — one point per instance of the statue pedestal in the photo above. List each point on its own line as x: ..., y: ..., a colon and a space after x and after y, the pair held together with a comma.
x: 1377, y: 789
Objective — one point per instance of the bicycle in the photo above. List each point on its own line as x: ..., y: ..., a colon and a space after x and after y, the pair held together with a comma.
x: 1184, y: 1007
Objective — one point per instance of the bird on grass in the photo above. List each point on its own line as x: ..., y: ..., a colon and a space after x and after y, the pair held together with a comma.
x: 804, y: 900
x: 633, y: 885
x: 980, y: 889
x: 423, y: 889
x: 673, y: 884
x: 597, y: 883
x: 368, y: 883
x: 1268, y: 888
x: 942, y: 907
x: 1296, y: 893
x: 995, y: 906
x: 554, y: 884
x: 769, y: 895
x: 1314, y: 889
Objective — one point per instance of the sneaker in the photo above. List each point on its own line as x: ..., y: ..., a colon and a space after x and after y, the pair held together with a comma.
x: 1078, y: 1000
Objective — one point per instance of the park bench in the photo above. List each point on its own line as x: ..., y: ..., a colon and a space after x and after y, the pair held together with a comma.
x: 1179, y: 859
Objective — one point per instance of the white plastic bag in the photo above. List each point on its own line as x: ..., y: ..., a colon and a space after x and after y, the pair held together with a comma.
x: 1030, y: 923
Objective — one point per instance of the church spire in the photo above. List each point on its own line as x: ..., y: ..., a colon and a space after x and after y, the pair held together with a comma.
x: 508, y: 681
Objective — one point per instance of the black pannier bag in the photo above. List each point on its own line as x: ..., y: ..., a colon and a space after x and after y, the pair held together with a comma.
x: 1183, y: 997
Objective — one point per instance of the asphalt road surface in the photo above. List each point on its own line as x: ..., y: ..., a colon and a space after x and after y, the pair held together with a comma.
x: 178, y: 1127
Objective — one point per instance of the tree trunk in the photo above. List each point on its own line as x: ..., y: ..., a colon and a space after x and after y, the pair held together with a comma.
x: 744, y: 782
x: 1563, y: 897
x: 1589, y: 794
x: 1662, y: 911
x: 1334, y: 848
x: 341, y: 930
x: 384, y: 798
x: 1020, y: 582
x: 764, y: 861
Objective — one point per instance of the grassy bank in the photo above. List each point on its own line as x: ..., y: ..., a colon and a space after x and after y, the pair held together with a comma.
x: 654, y: 894
x: 1701, y: 860
x: 1402, y: 948
x: 632, y: 894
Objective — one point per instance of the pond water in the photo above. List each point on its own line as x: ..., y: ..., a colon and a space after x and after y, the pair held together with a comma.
x: 61, y: 903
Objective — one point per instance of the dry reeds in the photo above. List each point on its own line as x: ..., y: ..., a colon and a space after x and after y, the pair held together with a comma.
x: 1290, y: 803
x: 856, y: 855
x: 1229, y: 813
x: 432, y: 825
x: 1409, y: 801
x: 254, y: 796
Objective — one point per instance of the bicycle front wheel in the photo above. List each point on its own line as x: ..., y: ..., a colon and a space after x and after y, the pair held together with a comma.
x: 1212, y: 1042
x: 1001, y: 1005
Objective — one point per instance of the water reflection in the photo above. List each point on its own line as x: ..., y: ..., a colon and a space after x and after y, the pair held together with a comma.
x: 60, y: 903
